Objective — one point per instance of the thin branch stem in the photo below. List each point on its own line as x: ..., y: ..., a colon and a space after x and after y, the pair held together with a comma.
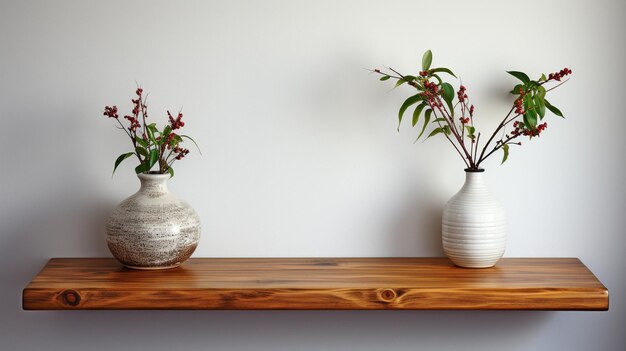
x: 476, y: 147
x: 498, y: 147
x: 383, y: 73
x: 493, y: 136
x: 450, y: 140
x: 131, y: 139
x: 449, y: 119
x: 396, y: 72
x: 558, y: 85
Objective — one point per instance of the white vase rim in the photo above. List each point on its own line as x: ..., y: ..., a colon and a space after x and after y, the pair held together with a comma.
x: 153, y: 176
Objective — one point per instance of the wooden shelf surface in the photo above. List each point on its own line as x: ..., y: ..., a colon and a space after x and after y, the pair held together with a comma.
x: 318, y: 283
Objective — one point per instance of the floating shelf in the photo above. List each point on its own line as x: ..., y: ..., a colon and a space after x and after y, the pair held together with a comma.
x: 318, y: 283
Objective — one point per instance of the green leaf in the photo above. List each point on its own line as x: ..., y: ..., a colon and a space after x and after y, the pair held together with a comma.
x: 142, y: 168
x: 540, y: 105
x: 166, y: 131
x: 142, y: 151
x: 553, y: 109
x: 532, y: 84
x: 543, y: 77
x: 407, y: 103
x: 439, y: 120
x: 442, y: 69
x: 541, y: 91
x: 450, y: 107
x: 193, y: 141
x: 516, y: 89
x: 150, y: 133
x: 435, y: 132
x: 438, y: 79
x: 141, y: 142
x: 530, y: 119
x: 427, y: 59
x: 448, y: 95
x: 119, y: 160
x: 519, y: 75
x: 153, y: 158
x: 448, y: 92
x: 446, y: 130
x: 505, y: 148
x: 427, y: 115
x: 405, y: 79
x: 529, y: 104
x: 417, y: 112
x: 384, y: 78
x: 170, y: 170
x: 470, y: 130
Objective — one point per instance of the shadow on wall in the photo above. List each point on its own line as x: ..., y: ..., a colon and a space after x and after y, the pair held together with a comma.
x: 48, y: 205
x: 53, y: 224
x: 282, y: 330
x: 414, y: 229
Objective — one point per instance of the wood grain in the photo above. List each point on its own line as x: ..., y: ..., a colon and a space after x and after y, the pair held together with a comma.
x: 318, y: 283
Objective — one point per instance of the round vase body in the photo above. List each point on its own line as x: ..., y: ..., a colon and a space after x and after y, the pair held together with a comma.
x: 474, y: 225
x: 152, y: 229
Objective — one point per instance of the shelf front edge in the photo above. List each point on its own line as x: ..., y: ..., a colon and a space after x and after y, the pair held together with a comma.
x: 315, y: 299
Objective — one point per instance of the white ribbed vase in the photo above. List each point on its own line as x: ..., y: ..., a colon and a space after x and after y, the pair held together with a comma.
x: 474, y: 225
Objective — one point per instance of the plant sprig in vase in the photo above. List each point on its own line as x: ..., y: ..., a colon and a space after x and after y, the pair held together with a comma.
x: 151, y: 145
x: 452, y: 115
x: 473, y: 222
x: 152, y: 228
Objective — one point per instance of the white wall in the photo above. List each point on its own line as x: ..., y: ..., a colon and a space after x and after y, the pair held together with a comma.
x: 301, y: 156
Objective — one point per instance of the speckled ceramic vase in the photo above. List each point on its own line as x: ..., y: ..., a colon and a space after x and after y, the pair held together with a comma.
x: 152, y: 229
x: 474, y: 225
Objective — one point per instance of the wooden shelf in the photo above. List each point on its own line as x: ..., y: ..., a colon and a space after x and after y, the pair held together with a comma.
x: 318, y: 283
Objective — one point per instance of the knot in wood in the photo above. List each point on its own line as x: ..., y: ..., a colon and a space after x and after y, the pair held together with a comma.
x: 71, y: 297
x: 388, y: 295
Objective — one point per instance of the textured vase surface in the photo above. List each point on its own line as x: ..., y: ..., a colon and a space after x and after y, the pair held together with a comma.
x: 152, y: 229
x: 474, y: 225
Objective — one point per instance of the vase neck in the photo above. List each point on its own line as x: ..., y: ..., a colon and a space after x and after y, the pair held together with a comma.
x: 474, y: 180
x: 153, y: 184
